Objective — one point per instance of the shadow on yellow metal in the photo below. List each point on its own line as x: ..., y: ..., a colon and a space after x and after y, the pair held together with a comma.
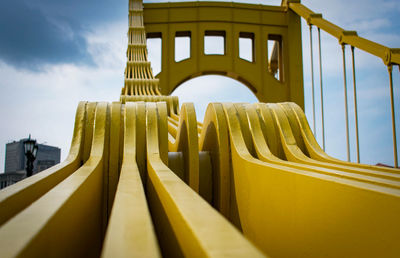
x: 186, y: 142
x: 317, y: 215
x: 130, y: 229
x: 214, y: 139
x: 298, y: 121
x: 186, y: 224
x: 295, y: 151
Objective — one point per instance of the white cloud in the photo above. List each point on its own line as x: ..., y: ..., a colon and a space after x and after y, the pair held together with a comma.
x: 212, y: 88
x: 373, y: 24
x: 44, y: 103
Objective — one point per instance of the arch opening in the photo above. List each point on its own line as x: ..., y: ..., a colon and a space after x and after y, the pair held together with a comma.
x: 205, y: 89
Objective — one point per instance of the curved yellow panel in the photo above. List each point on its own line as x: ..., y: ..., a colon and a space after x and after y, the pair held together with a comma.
x: 15, y: 198
x: 188, y: 224
x: 295, y: 113
x: 130, y: 231
x: 141, y: 139
x: 163, y: 131
x: 265, y: 155
x: 314, y: 214
x: 90, y: 113
x: 187, y: 142
x: 294, y: 153
x: 114, y: 165
x: 270, y: 131
x: 214, y: 139
x: 75, y: 203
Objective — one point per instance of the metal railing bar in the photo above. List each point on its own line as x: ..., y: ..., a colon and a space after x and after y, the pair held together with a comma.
x: 388, y: 55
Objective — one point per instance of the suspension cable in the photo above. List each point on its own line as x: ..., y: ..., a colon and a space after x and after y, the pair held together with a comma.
x: 321, y: 89
x: 355, y: 104
x: 312, y: 80
x: 390, y: 69
x: 345, y: 102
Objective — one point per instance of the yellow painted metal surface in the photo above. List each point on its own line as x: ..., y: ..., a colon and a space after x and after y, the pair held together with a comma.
x: 388, y: 55
x: 169, y: 19
x: 15, y: 198
x: 187, y: 225
x: 144, y: 178
x: 130, y: 230
x: 37, y: 230
x: 315, y: 214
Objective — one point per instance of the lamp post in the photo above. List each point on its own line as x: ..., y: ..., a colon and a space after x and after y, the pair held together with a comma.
x: 31, y: 149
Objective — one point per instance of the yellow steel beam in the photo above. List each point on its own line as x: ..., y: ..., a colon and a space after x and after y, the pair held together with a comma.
x: 186, y: 141
x: 315, y: 214
x: 214, y: 139
x: 388, y: 55
x: 114, y: 164
x: 162, y: 131
x: 188, y: 224
x: 263, y: 153
x: 15, y: 198
x: 141, y: 139
x: 74, y: 204
x: 90, y: 113
x: 295, y: 113
x: 263, y: 22
x: 295, y: 153
x: 130, y: 231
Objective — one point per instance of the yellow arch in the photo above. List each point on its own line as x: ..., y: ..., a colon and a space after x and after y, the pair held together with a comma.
x: 232, y: 21
x: 230, y: 75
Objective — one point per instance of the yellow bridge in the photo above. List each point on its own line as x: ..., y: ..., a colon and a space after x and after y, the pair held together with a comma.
x: 144, y: 178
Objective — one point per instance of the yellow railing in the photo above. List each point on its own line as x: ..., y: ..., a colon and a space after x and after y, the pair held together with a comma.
x: 389, y: 56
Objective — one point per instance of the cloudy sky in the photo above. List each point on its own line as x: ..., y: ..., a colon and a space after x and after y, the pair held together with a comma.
x: 56, y: 53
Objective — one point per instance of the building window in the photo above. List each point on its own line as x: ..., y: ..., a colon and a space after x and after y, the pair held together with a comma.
x: 44, y: 164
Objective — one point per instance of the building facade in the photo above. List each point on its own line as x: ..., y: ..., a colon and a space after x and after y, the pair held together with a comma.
x: 15, y: 161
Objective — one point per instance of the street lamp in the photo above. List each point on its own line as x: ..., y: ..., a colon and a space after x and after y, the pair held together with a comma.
x: 31, y: 149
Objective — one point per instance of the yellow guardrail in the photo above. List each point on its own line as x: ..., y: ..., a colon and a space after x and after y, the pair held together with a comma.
x: 388, y: 55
